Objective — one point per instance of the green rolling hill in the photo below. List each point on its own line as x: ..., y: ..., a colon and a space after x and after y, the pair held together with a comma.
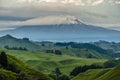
x: 91, y: 74
x: 37, y: 57
x: 75, y: 49
x: 17, y: 70
x: 47, y: 62
x: 113, y: 46
x: 10, y: 41
x: 84, y: 53
x: 100, y: 74
x: 113, y: 74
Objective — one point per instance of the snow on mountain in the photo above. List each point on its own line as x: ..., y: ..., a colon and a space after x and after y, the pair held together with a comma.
x: 64, y: 32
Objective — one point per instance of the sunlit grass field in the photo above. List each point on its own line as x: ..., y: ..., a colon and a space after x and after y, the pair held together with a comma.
x: 47, y: 62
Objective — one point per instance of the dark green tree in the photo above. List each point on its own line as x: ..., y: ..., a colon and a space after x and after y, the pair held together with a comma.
x: 3, y: 59
x: 12, y: 67
x: 58, y: 52
x: 84, y: 68
x: 67, y: 47
x: 2, y: 77
x: 57, y: 71
x: 56, y: 74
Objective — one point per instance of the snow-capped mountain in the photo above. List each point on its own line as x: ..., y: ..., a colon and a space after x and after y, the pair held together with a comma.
x: 74, y: 31
x: 61, y: 28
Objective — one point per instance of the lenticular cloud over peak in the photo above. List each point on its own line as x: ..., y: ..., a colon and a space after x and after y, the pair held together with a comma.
x: 51, y: 20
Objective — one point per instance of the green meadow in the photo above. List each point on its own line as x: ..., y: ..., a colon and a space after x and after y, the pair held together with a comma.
x: 47, y: 62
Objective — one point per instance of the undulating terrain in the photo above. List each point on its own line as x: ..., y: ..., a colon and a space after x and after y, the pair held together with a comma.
x: 59, y: 39
x: 45, y: 57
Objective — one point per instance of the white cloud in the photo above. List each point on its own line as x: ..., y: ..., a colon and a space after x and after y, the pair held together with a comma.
x: 51, y: 20
x: 60, y: 19
x: 90, y: 11
x: 20, y: 3
x: 97, y: 2
x: 117, y: 2
x: 48, y: 20
x: 72, y: 2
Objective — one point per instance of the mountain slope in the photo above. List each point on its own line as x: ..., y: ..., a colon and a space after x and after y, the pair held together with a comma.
x: 11, y: 42
x: 115, y: 47
x: 64, y: 32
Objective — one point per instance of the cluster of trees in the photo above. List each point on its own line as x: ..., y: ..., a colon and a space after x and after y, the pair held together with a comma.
x: 58, y: 75
x: 57, y: 52
x: 26, y: 39
x: 84, y: 68
x: 16, y: 48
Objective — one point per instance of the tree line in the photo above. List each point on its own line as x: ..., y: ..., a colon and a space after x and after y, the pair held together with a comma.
x: 16, y: 48
x: 58, y: 75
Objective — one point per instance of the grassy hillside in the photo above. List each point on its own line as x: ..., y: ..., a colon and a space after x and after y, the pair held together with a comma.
x: 83, y: 50
x: 113, y: 46
x: 84, y: 53
x: 47, y: 62
x: 91, y: 74
x: 100, y: 74
x: 16, y: 69
x: 11, y: 42
x: 113, y: 74
x: 7, y: 75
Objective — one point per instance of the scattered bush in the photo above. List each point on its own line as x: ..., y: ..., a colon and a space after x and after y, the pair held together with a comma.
x: 57, y: 75
x: 57, y: 52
